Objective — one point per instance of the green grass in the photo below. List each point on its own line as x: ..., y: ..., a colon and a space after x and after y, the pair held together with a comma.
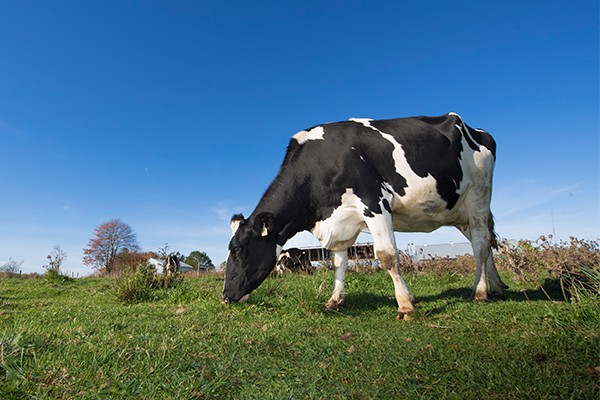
x: 77, y: 340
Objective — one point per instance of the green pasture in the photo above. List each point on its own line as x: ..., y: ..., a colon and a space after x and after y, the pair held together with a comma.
x: 76, y: 339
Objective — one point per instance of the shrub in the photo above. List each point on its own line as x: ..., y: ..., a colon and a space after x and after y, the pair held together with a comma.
x: 142, y: 283
x: 135, y: 286
x: 55, y: 276
x: 573, y: 265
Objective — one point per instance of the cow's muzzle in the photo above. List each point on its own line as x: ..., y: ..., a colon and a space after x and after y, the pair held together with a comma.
x: 228, y: 300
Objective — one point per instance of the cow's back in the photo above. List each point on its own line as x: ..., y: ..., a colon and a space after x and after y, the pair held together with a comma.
x: 406, y: 154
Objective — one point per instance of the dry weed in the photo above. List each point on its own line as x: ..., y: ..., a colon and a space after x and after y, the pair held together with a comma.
x: 574, y: 265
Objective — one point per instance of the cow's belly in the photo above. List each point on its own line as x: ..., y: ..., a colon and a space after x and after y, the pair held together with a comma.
x: 423, y: 210
x: 411, y: 220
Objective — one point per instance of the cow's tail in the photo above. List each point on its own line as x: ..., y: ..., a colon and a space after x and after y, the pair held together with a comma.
x: 493, y: 234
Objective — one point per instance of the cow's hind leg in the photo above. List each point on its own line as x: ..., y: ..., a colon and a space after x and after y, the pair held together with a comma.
x: 480, y: 234
x: 384, y: 243
x: 406, y: 301
x: 497, y: 286
x: 340, y: 261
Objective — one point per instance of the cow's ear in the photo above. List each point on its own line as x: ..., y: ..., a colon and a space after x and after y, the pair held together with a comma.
x: 235, y: 222
x: 263, y: 224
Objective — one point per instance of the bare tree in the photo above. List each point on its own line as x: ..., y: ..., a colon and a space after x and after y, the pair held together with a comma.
x: 55, y: 259
x: 109, y: 239
x: 163, y: 252
x: 11, y: 266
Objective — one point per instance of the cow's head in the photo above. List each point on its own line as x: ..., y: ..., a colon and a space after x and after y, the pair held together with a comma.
x: 252, y: 255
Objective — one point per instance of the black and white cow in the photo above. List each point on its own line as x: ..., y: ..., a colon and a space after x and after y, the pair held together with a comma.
x: 294, y: 260
x: 171, y: 265
x: 408, y: 175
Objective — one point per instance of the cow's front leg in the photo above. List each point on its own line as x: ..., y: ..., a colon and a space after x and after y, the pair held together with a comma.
x: 340, y: 260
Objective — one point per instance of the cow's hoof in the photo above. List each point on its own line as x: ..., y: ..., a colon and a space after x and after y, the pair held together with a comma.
x: 402, y: 316
x: 334, y: 305
x: 486, y: 298
x: 480, y: 296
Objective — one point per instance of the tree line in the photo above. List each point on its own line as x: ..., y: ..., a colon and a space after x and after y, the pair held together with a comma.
x: 114, y: 248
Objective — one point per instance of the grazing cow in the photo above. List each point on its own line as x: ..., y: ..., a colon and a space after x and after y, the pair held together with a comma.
x: 171, y: 265
x: 408, y: 175
x: 292, y: 260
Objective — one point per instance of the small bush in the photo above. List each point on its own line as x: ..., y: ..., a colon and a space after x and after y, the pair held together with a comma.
x: 142, y: 283
x: 585, y: 285
x: 54, y: 276
x: 137, y: 285
x: 574, y: 265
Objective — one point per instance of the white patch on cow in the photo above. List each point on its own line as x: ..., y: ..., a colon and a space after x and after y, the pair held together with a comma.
x: 363, y: 121
x: 235, y: 224
x: 484, y: 159
x: 264, y: 231
x: 279, y: 268
x: 314, y: 134
x: 340, y: 261
x: 420, y: 209
x: 340, y: 230
x: 479, y: 163
x: 280, y: 254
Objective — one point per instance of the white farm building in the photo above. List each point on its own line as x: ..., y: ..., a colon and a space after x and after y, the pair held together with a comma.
x: 160, y: 265
x: 451, y: 250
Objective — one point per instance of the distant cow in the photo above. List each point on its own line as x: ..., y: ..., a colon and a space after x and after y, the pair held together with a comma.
x: 408, y: 175
x: 171, y: 265
x: 294, y: 260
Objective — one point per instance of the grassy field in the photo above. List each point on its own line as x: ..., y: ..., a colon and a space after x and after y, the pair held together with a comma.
x: 74, y: 339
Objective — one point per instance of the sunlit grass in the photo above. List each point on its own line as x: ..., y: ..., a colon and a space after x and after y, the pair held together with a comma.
x: 77, y: 340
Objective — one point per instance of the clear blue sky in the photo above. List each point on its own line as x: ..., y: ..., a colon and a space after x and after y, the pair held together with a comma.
x: 173, y: 115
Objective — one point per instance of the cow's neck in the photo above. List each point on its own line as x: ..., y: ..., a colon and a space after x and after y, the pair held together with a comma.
x: 289, y: 202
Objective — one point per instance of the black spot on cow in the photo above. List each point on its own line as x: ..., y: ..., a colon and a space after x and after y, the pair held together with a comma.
x: 386, y: 205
